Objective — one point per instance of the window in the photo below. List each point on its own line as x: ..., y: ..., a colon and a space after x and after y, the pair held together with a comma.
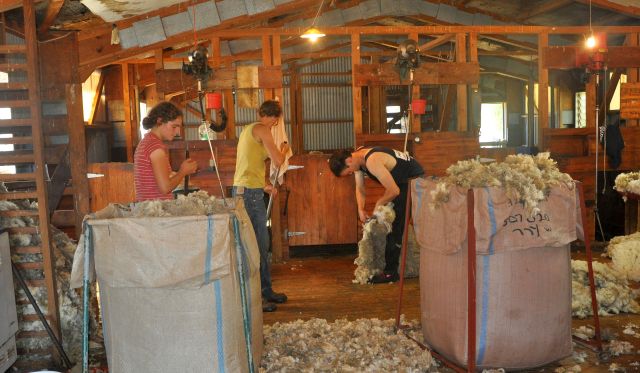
x: 493, y: 123
x: 400, y: 124
x: 615, y: 100
x: 143, y: 114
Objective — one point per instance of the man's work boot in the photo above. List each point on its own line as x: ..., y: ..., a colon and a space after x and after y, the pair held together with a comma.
x: 275, y: 297
x: 268, y: 306
x: 384, y: 278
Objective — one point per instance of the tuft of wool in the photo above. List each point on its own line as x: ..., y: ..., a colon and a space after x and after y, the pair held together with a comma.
x: 525, y: 178
x: 624, y: 252
x: 612, y: 290
x: 196, y: 203
x: 370, y: 260
x: 364, y: 345
x: 617, y: 348
x: 584, y: 332
x: 628, y: 182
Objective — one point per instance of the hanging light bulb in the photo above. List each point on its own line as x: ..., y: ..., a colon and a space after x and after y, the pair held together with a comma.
x: 590, y: 42
x: 312, y: 33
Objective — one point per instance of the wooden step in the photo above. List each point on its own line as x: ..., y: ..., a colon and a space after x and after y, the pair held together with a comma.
x: 32, y: 334
x: 14, y: 103
x: 19, y: 195
x: 19, y: 213
x: 16, y: 122
x: 63, y: 218
x: 10, y: 67
x: 25, y: 230
x: 17, y: 140
x: 26, y: 250
x: 27, y: 176
x: 29, y: 265
x: 16, y: 157
x: 15, y: 85
x: 13, y: 48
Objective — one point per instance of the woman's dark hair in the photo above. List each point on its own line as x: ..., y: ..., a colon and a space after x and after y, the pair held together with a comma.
x: 270, y: 108
x: 165, y: 111
x: 337, y: 162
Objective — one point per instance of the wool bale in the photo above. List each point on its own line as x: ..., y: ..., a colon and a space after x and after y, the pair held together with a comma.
x: 523, y: 275
x: 173, y: 288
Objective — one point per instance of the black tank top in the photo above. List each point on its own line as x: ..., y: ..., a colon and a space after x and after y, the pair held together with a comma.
x: 406, y: 166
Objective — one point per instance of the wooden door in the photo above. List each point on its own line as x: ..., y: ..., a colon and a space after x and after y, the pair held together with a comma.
x: 320, y: 204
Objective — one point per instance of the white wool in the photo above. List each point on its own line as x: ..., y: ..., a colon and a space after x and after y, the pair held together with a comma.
x: 612, y: 290
x: 371, y: 248
x: 364, y: 345
x: 525, y: 178
x: 625, y: 255
x: 571, y: 369
x: 584, y: 332
x: 628, y: 182
x: 617, y: 348
x: 196, y: 203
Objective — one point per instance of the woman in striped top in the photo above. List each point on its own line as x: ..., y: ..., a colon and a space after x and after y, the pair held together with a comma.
x: 152, y: 172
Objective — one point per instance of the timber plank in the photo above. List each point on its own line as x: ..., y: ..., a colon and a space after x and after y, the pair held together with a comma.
x: 426, y: 73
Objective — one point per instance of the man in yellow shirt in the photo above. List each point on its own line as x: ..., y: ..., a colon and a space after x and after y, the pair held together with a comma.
x: 255, y: 145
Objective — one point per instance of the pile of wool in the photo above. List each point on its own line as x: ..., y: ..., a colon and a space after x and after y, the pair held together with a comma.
x: 624, y: 252
x: 524, y: 178
x: 70, y: 300
x: 364, y: 345
x: 628, y: 183
x: 617, y: 348
x: 371, y: 248
x: 196, y: 203
x: 370, y: 260
x: 612, y: 290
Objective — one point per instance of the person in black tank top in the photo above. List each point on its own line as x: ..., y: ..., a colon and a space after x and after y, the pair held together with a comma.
x: 393, y: 170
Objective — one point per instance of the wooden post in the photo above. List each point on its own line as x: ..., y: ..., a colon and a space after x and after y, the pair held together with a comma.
x: 475, y: 89
x: 266, y: 61
x: 632, y: 74
x: 159, y: 62
x: 461, y: 56
x: 590, y: 110
x: 77, y: 153
x: 543, y: 90
x: 216, y: 63
x: 356, y: 91
x: 297, y: 129
x: 126, y: 105
x: 415, y: 93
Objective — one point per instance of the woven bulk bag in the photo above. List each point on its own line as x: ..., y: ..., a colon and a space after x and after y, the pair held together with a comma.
x: 523, y: 276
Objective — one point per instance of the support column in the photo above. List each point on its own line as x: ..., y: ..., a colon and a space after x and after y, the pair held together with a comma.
x: 356, y: 91
x: 543, y: 90
x: 461, y: 56
x: 633, y: 74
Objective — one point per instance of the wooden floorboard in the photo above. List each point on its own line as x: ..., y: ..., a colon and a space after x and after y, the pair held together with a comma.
x: 322, y: 287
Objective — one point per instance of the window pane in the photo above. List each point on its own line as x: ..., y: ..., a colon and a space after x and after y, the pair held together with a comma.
x: 492, y: 122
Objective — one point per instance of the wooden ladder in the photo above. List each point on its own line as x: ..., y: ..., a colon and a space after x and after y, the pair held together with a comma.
x: 22, y: 137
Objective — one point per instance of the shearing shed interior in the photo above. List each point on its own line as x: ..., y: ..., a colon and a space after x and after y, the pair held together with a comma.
x: 319, y: 186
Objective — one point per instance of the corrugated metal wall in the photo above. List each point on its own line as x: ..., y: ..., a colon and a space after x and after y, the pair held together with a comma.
x: 327, y: 105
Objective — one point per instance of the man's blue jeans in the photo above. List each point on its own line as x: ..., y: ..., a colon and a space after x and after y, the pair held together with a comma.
x: 257, y: 211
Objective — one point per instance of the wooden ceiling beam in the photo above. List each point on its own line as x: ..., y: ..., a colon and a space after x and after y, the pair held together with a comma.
x: 629, y: 10
x: 52, y: 12
x: 6, y: 5
x: 537, y: 9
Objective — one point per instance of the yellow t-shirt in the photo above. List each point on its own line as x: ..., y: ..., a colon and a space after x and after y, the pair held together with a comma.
x: 250, y: 160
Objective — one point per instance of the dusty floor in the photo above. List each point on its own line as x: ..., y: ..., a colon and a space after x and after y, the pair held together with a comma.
x: 321, y: 286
